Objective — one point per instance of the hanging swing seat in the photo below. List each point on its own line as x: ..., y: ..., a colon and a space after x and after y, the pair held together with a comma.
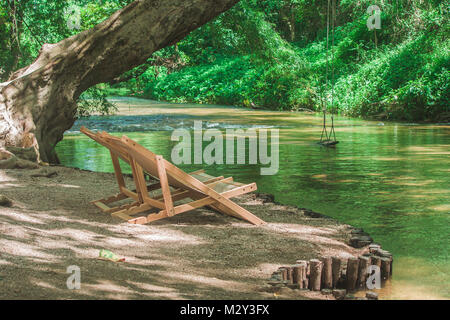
x: 328, y: 143
x: 174, y: 191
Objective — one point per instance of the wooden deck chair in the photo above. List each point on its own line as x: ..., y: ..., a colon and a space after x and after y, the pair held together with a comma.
x: 175, y: 193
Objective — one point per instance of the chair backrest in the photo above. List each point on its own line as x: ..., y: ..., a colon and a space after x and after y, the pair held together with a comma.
x: 148, y: 161
x: 129, y: 150
x: 112, y: 143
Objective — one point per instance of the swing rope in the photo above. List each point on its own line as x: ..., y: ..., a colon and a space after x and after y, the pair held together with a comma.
x: 332, y: 68
x: 332, y: 133
x: 325, y: 103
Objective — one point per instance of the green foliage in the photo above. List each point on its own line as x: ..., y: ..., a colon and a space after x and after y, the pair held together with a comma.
x: 246, y: 58
x: 94, y: 101
x: 269, y: 54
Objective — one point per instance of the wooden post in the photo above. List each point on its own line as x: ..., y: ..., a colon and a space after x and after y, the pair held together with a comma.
x: 305, y: 273
x: 327, y: 273
x: 385, y: 268
x: 315, y: 276
x: 376, y: 261
x: 289, y: 276
x: 284, y: 273
x: 374, y: 248
x: 336, y: 270
x: 297, y: 274
x: 392, y: 265
x: 364, y: 263
x: 352, y: 273
x: 303, y: 268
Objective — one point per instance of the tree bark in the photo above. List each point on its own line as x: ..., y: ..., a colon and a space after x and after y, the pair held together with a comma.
x: 38, y: 103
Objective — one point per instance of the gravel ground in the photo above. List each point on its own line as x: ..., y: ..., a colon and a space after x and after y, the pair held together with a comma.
x: 196, y: 255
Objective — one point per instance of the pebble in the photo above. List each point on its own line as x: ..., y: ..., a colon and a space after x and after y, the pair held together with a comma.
x: 370, y: 295
x: 5, y: 201
x: 360, y: 241
x: 44, y: 172
x: 326, y: 291
x: 293, y: 286
x: 339, y: 294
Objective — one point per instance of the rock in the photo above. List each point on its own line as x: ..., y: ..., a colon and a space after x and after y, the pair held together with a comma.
x: 7, y: 159
x: 267, y: 288
x: 266, y: 197
x: 293, y: 286
x: 370, y: 295
x: 5, y: 201
x: 28, y: 154
x: 285, y: 290
x: 339, y: 294
x: 275, y: 279
x: 44, y: 172
x: 312, y: 214
x: 357, y: 231
x: 383, y: 253
x: 326, y: 291
x: 350, y: 297
x: 360, y: 241
x: 277, y: 275
x: 25, y: 164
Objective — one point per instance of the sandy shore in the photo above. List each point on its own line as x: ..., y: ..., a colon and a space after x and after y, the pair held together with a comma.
x: 196, y: 255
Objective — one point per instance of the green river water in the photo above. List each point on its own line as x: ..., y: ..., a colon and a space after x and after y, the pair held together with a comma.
x: 391, y: 179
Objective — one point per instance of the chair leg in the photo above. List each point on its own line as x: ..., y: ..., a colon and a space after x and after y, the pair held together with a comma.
x: 126, y: 214
x: 238, y: 212
x: 149, y: 218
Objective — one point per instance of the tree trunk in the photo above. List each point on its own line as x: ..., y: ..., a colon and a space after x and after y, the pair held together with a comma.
x: 38, y: 103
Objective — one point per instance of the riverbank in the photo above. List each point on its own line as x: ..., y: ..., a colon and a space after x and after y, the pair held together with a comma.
x: 115, y: 95
x: 199, y: 255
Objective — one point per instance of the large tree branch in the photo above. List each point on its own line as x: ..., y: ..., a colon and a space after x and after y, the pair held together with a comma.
x: 38, y: 102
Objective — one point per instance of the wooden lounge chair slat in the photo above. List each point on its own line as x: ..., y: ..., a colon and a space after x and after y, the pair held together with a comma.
x: 200, y: 203
x: 188, y: 193
x: 102, y: 206
x: 164, y: 185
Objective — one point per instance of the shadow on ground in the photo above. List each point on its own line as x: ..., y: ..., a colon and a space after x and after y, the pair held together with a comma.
x: 196, y: 255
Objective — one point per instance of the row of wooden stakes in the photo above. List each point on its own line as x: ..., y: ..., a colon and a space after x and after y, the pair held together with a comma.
x: 334, y: 272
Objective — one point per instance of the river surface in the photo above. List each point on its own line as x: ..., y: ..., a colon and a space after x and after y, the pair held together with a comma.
x: 391, y: 179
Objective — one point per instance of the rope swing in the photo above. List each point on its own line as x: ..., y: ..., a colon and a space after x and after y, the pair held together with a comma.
x: 328, y: 139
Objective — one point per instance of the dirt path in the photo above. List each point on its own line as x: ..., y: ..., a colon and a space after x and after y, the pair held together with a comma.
x: 197, y: 255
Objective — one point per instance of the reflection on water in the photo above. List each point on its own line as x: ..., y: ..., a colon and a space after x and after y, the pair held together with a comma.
x: 392, y: 180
